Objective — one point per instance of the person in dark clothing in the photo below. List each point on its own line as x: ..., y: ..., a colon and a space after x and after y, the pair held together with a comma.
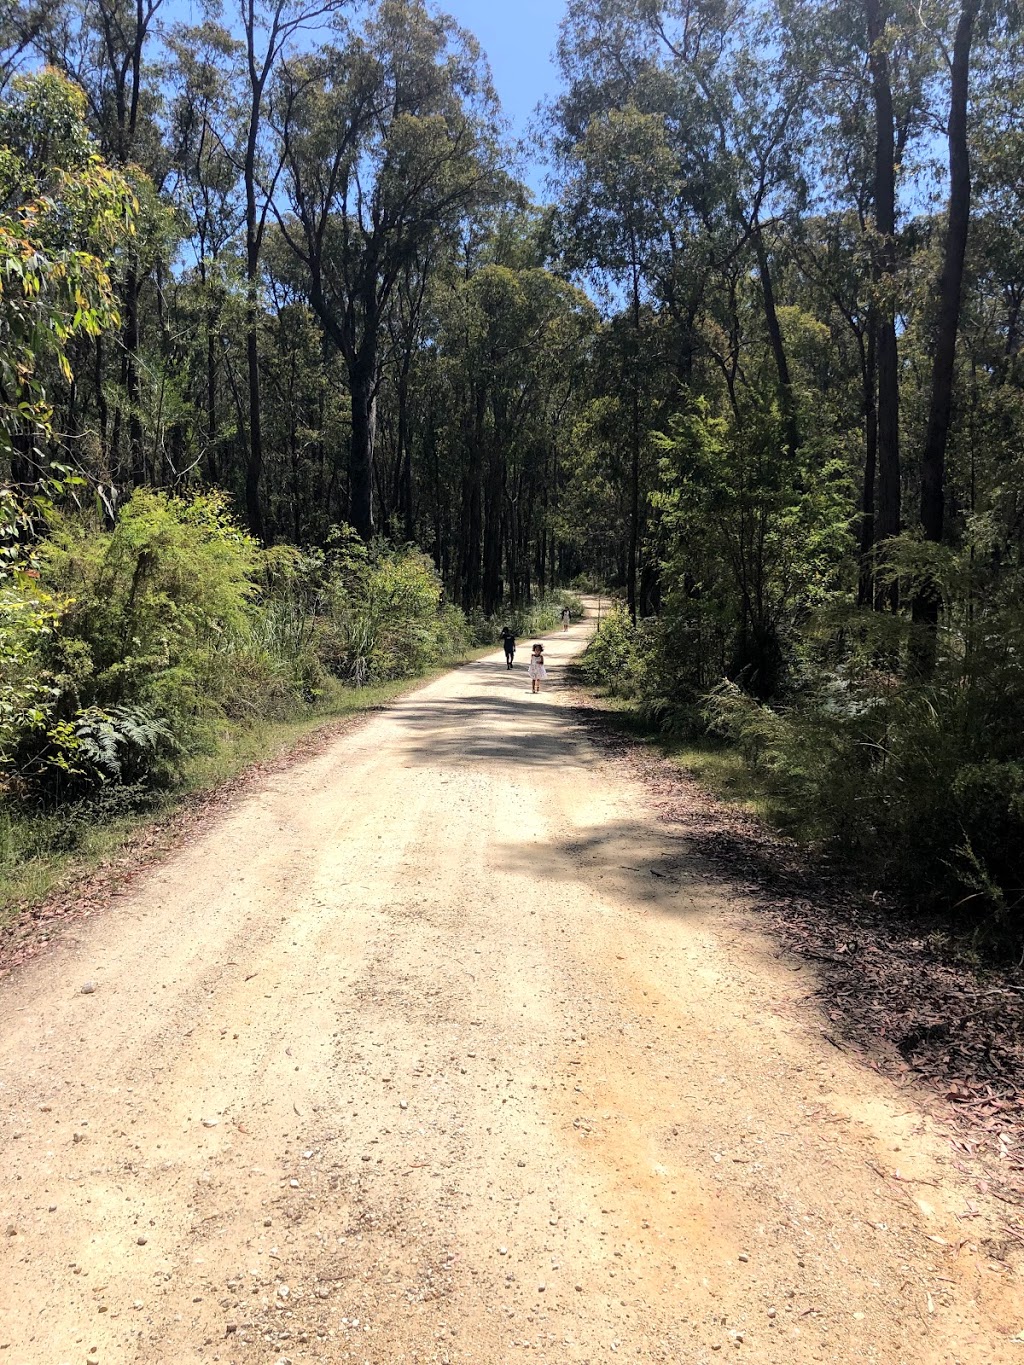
x: 508, y: 639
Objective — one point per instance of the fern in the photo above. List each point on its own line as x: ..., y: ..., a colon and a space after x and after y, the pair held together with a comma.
x: 122, y: 743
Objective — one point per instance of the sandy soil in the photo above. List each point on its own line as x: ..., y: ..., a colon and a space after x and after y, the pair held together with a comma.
x: 438, y: 1048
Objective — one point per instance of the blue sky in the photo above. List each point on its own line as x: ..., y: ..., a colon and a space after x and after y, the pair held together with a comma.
x: 519, y: 38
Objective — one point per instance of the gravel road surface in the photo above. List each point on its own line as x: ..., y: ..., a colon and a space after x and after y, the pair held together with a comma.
x: 438, y: 1047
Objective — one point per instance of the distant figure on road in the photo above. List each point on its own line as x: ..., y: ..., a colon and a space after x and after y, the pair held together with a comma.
x: 508, y: 639
x: 537, y: 671
x: 566, y: 618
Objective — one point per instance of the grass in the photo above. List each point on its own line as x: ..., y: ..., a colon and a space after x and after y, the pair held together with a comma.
x: 716, y: 765
x: 240, y: 745
x: 35, y: 862
x: 726, y: 774
x: 40, y: 853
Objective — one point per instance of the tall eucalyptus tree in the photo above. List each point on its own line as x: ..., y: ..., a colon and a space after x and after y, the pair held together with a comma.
x: 388, y: 140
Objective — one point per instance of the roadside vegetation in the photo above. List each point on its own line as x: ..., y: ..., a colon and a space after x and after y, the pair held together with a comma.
x: 914, y: 787
x: 158, y: 655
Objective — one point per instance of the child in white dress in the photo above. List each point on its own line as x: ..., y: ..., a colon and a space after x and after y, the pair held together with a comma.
x: 536, y: 670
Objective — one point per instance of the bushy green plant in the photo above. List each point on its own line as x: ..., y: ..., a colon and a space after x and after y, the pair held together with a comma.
x: 29, y: 618
x: 620, y: 655
x: 387, y: 619
x: 154, y: 628
x: 149, y: 601
x: 912, y: 782
x: 29, y: 615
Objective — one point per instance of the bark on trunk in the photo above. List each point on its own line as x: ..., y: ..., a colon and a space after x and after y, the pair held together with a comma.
x: 253, y: 245
x: 865, y: 593
x: 787, y: 400
x: 494, y: 539
x: 405, y: 490
x: 472, y: 503
x: 254, y: 462
x: 102, y: 412
x: 363, y: 382
x: 634, y: 510
x: 927, y: 601
x: 634, y: 470
x: 212, y: 466
x: 130, y: 378
x: 888, y: 511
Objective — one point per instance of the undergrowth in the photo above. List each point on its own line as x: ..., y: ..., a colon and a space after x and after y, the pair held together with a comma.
x: 914, y: 784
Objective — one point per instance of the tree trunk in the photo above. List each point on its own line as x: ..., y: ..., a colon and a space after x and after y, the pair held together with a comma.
x: 130, y: 378
x: 634, y: 463
x: 787, y: 401
x: 212, y: 433
x: 363, y: 383
x: 254, y: 461
x: 634, y: 509
x: 865, y: 593
x: 494, y: 545
x: 405, y: 490
x: 888, y: 511
x: 927, y: 600
x: 102, y: 412
x: 542, y: 544
x: 253, y: 245
x: 472, y: 504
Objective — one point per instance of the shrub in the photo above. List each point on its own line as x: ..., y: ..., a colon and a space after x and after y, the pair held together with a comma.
x: 130, y: 642
x: 148, y: 602
x: 896, y: 778
x: 28, y: 694
x: 620, y: 655
x: 386, y: 618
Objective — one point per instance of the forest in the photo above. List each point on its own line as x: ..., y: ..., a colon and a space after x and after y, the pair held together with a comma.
x: 301, y: 387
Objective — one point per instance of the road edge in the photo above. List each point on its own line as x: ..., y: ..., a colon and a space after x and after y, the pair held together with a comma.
x: 85, y: 890
x: 787, y: 896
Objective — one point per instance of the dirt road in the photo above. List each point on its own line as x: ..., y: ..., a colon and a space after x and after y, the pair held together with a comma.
x: 439, y: 1049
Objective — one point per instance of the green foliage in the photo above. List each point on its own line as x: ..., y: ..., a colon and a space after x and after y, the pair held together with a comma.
x: 539, y: 617
x: 62, y: 214
x: 29, y: 617
x: 123, y: 744
x: 757, y: 538
x: 922, y: 786
x: 129, y: 645
x: 388, y: 619
x: 149, y: 601
x: 619, y: 655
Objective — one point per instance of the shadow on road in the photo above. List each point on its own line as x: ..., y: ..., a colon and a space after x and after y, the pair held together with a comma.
x: 498, y: 721
x: 624, y: 861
